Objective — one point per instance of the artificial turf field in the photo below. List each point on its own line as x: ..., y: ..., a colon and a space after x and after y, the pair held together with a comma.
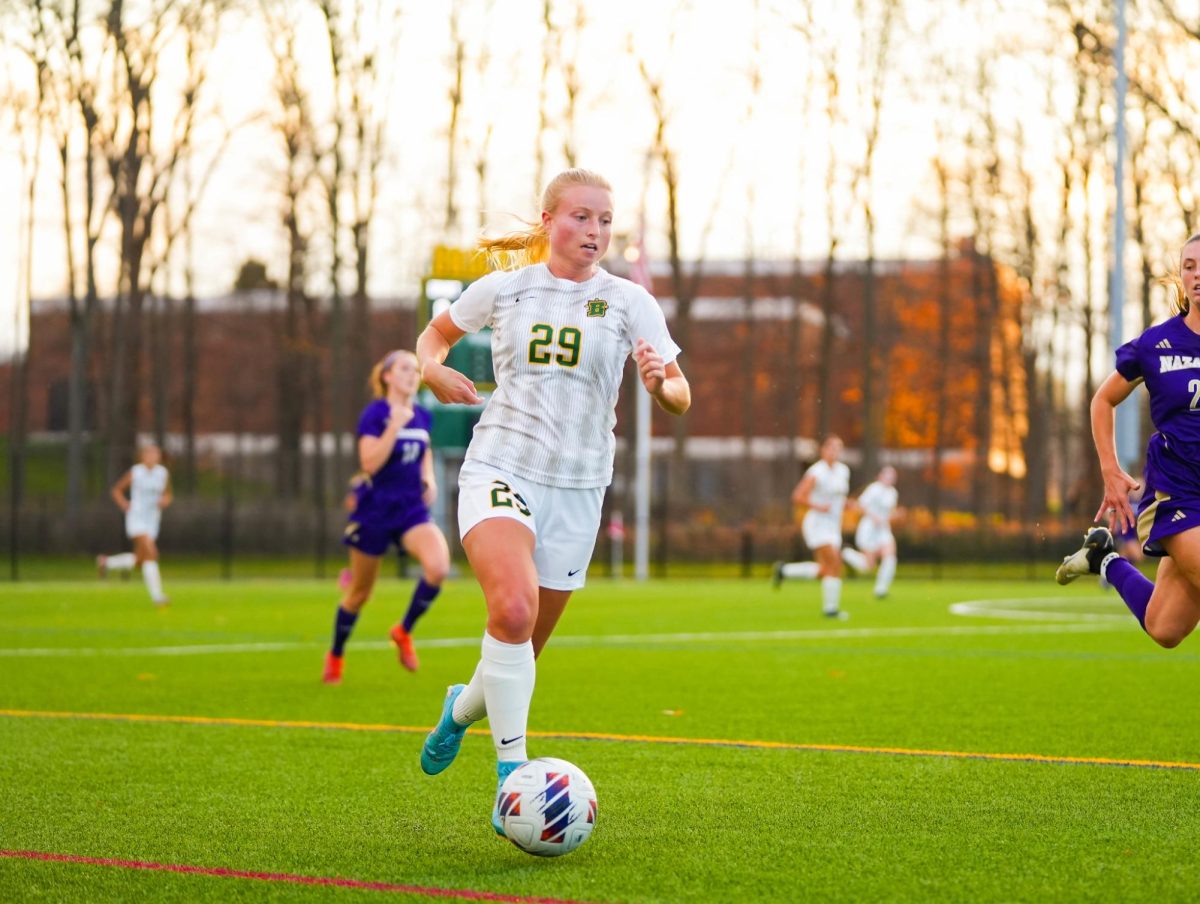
x: 743, y: 749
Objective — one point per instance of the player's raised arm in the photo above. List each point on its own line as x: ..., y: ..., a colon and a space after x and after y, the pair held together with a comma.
x: 433, y: 345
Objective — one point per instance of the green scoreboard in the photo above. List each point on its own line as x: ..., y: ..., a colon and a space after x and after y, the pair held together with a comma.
x: 452, y: 270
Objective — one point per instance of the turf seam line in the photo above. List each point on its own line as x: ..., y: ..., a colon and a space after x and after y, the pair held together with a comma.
x: 461, y: 894
x: 235, y: 722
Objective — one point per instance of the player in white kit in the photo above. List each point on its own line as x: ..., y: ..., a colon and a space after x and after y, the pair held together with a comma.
x: 876, y: 545
x: 823, y: 489
x: 532, y: 485
x: 142, y: 493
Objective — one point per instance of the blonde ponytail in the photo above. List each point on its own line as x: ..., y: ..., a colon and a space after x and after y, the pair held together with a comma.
x: 532, y: 244
x: 1173, y: 282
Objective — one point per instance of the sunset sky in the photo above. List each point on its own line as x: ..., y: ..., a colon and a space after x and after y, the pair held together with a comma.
x: 758, y: 159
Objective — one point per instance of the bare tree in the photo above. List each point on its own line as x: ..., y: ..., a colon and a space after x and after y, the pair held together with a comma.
x: 297, y: 359
x: 875, y: 66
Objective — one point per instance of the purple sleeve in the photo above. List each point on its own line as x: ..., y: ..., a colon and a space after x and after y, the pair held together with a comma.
x: 373, y: 420
x: 1129, y: 364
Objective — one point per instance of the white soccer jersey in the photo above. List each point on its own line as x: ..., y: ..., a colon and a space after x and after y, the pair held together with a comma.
x: 559, y: 350
x: 878, y: 501
x: 146, y: 488
x: 831, y: 484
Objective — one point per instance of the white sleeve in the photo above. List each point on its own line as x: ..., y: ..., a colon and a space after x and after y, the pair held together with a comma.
x: 472, y: 310
x: 647, y: 322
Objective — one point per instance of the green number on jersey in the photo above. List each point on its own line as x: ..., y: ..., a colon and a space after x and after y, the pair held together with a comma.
x: 569, y: 339
x: 539, y: 345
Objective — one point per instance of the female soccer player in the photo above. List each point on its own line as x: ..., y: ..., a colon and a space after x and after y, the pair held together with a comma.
x: 392, y: 506
x: 875, y: 544
x: 823, y: 488
x: 1166, y: 358
x: 142, y: 493
x: 533, y: 481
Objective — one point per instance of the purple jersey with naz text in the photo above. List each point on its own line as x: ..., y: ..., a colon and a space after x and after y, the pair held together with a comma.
x: 1167, y: 358
x: 397, y: 485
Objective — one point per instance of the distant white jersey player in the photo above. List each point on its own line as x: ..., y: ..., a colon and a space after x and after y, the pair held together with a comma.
x: 142, y: 493
x: 823, y: 489
x: 873, y: 537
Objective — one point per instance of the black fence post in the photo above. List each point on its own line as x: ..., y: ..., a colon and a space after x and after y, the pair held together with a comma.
x: 747, y: 552
x: 227, y: 532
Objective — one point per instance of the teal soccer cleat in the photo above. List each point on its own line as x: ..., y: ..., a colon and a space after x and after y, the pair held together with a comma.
x: 503, y: 802
x: 441, y: 746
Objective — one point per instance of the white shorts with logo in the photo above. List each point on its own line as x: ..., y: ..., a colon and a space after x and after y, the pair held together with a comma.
x: 142, y: 524
x: 818, y: 529
x: 871, y: 536
x: 565, y: 521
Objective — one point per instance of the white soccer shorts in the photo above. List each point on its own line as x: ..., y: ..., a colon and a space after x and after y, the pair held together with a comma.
x: 564, y: 520
x: 870, y: 536
x: 142, y: 524
x: 818, y: 530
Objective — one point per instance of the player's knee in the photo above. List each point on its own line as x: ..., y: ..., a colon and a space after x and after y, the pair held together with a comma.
x: 1167, y: 638
x: 435, y: 572
x: 512, y: 615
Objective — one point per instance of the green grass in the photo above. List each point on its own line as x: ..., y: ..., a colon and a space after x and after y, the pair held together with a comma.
x: 678, y: 822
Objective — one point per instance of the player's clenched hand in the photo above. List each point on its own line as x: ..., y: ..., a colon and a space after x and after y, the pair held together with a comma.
x: 400, y: 415
x: 650, y: 366
x: 449, y: 386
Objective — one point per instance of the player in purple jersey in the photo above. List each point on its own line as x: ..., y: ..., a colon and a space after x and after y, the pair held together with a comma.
x: 1166, y: 358
x: 391, y: 506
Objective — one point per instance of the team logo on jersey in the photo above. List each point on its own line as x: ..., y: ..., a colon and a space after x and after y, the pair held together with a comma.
x: 1168, y: 363
x: 1164, y: 344
x: 597, y: 307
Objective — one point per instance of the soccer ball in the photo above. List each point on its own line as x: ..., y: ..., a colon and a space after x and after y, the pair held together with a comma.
x: 547, y: 807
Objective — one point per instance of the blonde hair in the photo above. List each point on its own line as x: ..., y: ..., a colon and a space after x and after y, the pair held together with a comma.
x: 1173, y: 282
x: 375, y: 380
x: 532, y: 244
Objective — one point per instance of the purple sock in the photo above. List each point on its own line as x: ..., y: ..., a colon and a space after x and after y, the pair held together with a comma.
x: 423, y: 596
x: 1133, y: 586
x: 343, y: 624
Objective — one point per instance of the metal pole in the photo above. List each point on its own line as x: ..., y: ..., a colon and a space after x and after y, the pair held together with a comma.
x: 641, y: 549
x: 1128, y: 442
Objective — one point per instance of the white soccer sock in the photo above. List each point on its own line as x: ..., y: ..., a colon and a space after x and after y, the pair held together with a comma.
x: 831, y: 594
x: 470, y: 705
x: 887, y: 571
x: 1111, y: 557
x: 508, y: 678
x: 121, y: 562
x: 153, y: 580
x: 804, y: 570
x: 855, y: 559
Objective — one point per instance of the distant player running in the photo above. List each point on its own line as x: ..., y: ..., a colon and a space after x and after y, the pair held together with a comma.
x: 1166, y: 358
x: 823, y: 489
x: 876, y: 545
x: 532, y: 486
x: 142, y: 493
x: 391, y: 506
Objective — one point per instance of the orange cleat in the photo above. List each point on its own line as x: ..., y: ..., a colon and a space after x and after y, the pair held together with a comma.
x: 333, y: 669
x: 404, y: 648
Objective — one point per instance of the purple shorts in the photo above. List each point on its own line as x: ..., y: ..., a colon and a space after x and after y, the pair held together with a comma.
x: 1171, y: 503
x: 371, y: 534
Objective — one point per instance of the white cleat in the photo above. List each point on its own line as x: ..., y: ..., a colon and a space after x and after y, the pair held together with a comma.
x: 1097, y: 544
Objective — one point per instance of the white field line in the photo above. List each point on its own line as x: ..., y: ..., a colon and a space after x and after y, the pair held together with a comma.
x: 1046, y: 608
x: 607, y: 640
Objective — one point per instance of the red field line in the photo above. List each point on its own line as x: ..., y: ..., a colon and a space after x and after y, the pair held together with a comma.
x: 617, y: 738
x: 461, y: 894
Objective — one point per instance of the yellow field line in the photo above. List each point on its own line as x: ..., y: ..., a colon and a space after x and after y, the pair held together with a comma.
x: 616, y: 738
